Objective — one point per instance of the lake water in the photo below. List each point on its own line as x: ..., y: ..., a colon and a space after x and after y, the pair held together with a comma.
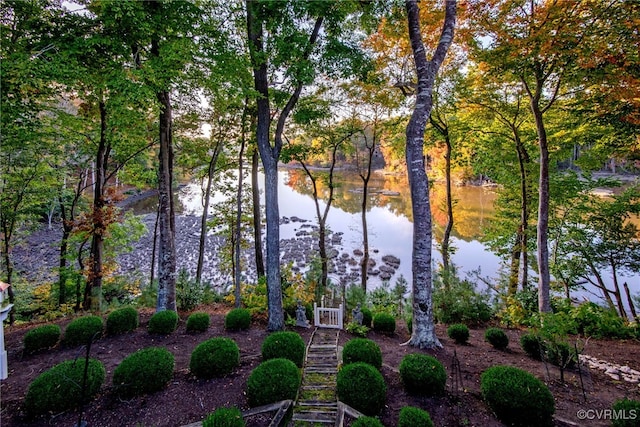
x: 389, y: 219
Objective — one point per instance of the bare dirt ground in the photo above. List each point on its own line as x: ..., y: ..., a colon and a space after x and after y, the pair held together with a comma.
x: 187, y: 399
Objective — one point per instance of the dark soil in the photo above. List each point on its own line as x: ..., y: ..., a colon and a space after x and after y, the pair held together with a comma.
x: 186, y: 399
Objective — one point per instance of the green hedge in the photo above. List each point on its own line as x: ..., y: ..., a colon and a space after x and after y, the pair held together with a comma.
x: 384, y: 323
x: 411, y: 416
x: 224, y: 417
x: 163, y: 322
x: 238, y: 319
x: 41, y: 338
x: 362, y: 387
x: 367, y: 422
x: 198, y: 322
x: 286, y: 344
x: 362, y: 350
x: 122, y: 320
x: 214, y: 358
x: 423, y: 374
x: 533, y: 345
x: 144, y: 371
x: 517, y: 397
x: 497, y: 338
x: 273, y: 381
x: 80, y: 330
x: 459, y: 332
x: 628, y: 411
x: 59, y: 388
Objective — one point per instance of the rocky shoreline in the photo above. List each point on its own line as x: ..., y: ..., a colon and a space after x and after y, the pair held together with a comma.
x: 37, y: 258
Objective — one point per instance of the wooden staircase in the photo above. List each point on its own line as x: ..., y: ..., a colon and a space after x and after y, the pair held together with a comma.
x: 317, y: 403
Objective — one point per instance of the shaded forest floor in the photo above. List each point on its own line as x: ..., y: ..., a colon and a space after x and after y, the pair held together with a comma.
x: 187, y: 399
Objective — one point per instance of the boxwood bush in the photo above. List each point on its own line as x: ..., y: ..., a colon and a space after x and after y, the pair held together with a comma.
x: 384, y: 323
x: 362, y: 350
x: 80, y: 330
x: 423, y: 374
x: 367, y: 422
x: 238, y: 319
x: 561, y: 354
x: 533, y: 345
x: 58, y: 388
x: 144, y: 371
x: 497, y: 338
x: 198, y: 322
x: 214, y: 357
x: 272, y: 381
x: 628, y: 418
x: 362, y: 387
x: 367, y: 317
x: 41, y: 338
x: 459, y: 332
x: 224, y: 417
x: 517, y: 397
x: 410, y: 416
x: 286, y: 344
x: 122, y: 320
x: 163, y: 322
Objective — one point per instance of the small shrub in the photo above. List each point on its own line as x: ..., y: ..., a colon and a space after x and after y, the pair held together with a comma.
x: 189, y: 293
x: 144, y: 371
x: 272, y: 381
x: 367, y: 422
x: 458, y: 332
x: 238, y: 319
x: 630, y: 413
x: 122, y: 320
x: 367, y: 317
x: 214, y: 357
x: 384, y: 323
x: 497, y: 338
x: 561, y: 354
x: 423, y: 374
x: 163, y: 322
x: 224, y: 417
x: 362, y: 387
x: 532, y: 345
x: 285, y: 344
x: 459, y: 302
x: 58, y: 388
x: 362, y: 350
x: 411, y: 416
x: 198, y: 322
x: 358, y: 330
x: 80, y: 330
x: 41, y: 338
x: 517, y: 397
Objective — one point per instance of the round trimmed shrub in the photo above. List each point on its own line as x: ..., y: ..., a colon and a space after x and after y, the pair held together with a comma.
x: 532, y: 345
x: 272, y: 381
x: 144, y: 371
x: 122, y: 320
x: 367, y: 317
x: 58, y: 388
x: 410, y: 416
x: 362, y: 387
x: 561, y: 354
x: 198, y: 322
x: 367, y: 422
x: 163, y: 322
x: 224, y: 417
x: 238, y: 319
x: 497, y: 338
x: 517, y: 397
x: 458, y: 332
x: 384, y: 323
x: 362, y: 350
x: 80, y: 330
x: 626, y: 405
x: 423, y: 374
x: 214, y: 357
x: 285, y: 344
x: 41, y: 338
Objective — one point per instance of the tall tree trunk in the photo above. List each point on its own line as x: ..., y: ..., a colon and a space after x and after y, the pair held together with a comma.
x: 93, y: 289
x: 446, y: 255
x: 205, y: 211
x: 167, y: 249
x: 520, y: 251
x: 616, y: 290
x: 544, y: 276
x: 632, y: 307
x: 364, y: 266
x: 257, y: 220
x: 63, y: 273
x: 238, y: 227
x: 423, y: 335
x: 155, y: 244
